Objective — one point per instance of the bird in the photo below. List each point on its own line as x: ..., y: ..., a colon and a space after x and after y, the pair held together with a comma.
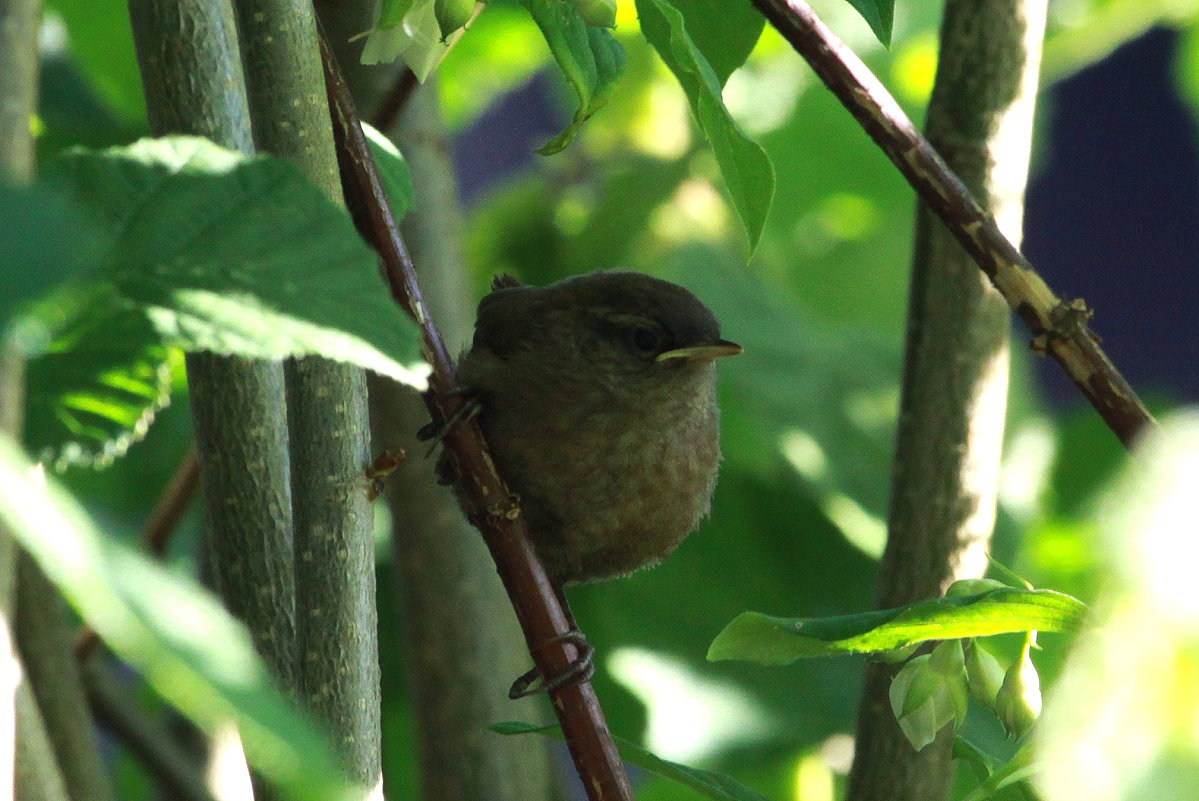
x: 597, y: 398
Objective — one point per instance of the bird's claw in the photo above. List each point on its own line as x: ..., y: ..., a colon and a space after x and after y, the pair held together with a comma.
x: 580, y: 670
x: 435, y: 431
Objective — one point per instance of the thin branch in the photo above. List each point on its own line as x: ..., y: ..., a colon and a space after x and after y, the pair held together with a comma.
x: 172, y: 503
x: 176, y: 496
x: 43, y: 635
x: 396, y: 98
x: 36, y: 776
x: 148, y: 741
x: 1060, y: 328
x: 488, y: 502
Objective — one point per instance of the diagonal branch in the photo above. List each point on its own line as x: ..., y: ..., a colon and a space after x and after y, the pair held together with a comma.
x: 488, y: 502
x: 1060, y: 328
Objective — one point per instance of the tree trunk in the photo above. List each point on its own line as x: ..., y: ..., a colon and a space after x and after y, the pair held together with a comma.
x: 956, y: 366
x: 336, y: 625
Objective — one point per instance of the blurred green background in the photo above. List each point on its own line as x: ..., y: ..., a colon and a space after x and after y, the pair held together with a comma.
x: 808, y: 412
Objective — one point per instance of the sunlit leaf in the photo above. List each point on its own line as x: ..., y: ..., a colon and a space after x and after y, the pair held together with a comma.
x: 590, y: 58
x: 393, y: 171
x: 174, y: 632
x: 97, y: 387
x: 746, y: 169
x: 704, y: 782
x: 779, y: 641
x: 237, y: 255
x: 408, y: 30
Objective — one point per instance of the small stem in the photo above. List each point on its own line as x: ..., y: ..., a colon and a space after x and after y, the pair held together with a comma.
x: 172, y: 503
x: 1060, y: 328
x: 394, y: 101
x: 488, y: 502
x: 149, y: 742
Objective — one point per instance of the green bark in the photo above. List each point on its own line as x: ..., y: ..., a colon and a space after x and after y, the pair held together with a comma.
x: 956, y: 365
x: 334, y: 556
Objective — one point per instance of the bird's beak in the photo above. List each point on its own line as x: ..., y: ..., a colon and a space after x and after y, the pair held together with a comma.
x: 702, y: 351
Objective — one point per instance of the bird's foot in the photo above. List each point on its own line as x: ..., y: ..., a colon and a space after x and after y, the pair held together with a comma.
x: 580, y: 670
x: 435, y: 431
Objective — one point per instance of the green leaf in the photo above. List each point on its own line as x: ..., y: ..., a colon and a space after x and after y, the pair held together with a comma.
x: 745, y: 166
x: 393, y: 171
x: 704, y: 782
x: 779, y: 641
x: 98, y: 386
x: 590, y: 58
x: 238, y: 255
x: 174, y: 632
x: 724, y: 32
x: 879, y: 15
x: 407, y: 29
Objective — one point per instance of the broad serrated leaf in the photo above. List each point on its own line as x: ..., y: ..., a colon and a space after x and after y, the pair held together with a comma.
x: 879, y: 15
x: 771, y: 640
x: 746, y: 168
x: 98, y: 385
x: 590, y: 58
x: 238, y: 255
x: 171, y: 630
x: 705, y: 782
x: 724, y: 32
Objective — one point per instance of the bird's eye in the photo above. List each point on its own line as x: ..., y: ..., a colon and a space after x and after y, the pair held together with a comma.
x: 645, y: 339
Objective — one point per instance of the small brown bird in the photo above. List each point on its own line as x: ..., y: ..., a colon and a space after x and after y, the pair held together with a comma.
x: 598, y: 400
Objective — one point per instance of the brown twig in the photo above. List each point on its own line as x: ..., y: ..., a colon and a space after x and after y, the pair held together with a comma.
x: 172, y: 503
x: 1060, y: 328
x: 396, y: 98
x: 147, y: 740
x: 488, y: 502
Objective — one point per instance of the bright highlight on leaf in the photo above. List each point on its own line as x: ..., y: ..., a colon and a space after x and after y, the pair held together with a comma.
x: 770, y: 640
x: 200, y: 248
x: 421, y: 32
x: 174, y: 632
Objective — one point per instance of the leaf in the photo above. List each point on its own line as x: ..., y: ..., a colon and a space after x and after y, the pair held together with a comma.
x: 98, y: 386
x: 590, y: 58
x: 393, y: 171
x: 724, y: 32
x: 238, y: 255
x: 704, y: 782
x: 175, y: 633
x: 747, y: 170
x: 879, y: 15
x: 770, y: 640
x: 408, y: 29
x: 194, y: 246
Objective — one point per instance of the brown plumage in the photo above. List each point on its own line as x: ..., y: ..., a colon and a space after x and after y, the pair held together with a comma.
x: 598, y: 402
